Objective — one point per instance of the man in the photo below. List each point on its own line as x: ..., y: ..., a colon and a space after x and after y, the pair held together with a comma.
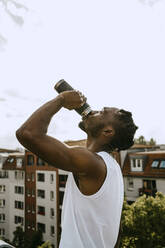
x: 94, y: 191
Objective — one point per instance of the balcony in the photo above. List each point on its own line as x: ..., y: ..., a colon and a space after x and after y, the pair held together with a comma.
x: 148, y: 192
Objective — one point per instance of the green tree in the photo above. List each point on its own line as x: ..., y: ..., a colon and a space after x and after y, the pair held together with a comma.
x: 47, y: 244
x: 26, y: 240
x: 19, y: 237
x: 152, y: 142
x: 143, y: 223
x: 35, y: 240
x: 141, y: 140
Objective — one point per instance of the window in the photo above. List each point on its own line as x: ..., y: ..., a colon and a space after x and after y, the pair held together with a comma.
x: 15, y: 174
x: 130, y: 184
x: 51, y: 195
x: 61, y: 197
x: 41, y: 193
x: 22, y: 175
x: 2, y: 218
x: 41, y: 210
x: 18, y: 204
x: 52, y: 232
x: 52, y: 213
x: 40, y: 162
x: 136, y: 164
x: 62, y: 180
x: 4, y: 174
x: 19, y: 162
x: 41, y: 227
x: 2, y: 188
x: 41, y: 177
x: 18, y: 220
x: 162, y: 164
x: 30, y: 160
x: 51, y: 178
x: 155, y: 164
x: 10, y: 160
x: 2, y: 203
x: 19, y: 175
x: 149, y: 184
x: 2, y: 232
x: 19, y: 189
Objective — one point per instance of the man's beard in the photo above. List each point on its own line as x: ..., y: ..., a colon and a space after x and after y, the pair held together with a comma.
x: 93, y: 131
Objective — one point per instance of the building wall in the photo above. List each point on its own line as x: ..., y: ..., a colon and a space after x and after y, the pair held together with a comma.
x: 160, y: 184
x: 132, y: 193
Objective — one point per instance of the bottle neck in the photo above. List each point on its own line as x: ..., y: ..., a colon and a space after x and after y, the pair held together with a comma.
x: 86, y: 111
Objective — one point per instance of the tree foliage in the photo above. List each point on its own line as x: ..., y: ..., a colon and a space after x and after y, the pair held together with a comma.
x: 36, y: 239
x: 19, y: 237
x: 47, y: 244
x: 143, y: 223
x: 23, y: 240
x: 142, y: 141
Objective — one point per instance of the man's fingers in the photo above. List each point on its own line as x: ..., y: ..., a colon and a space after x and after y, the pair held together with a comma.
x: 82, y: 97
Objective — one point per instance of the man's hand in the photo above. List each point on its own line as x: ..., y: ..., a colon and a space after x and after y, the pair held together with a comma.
x: 72, y: 99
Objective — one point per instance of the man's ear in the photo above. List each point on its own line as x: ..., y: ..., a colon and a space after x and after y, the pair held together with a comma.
x: 108, y: 131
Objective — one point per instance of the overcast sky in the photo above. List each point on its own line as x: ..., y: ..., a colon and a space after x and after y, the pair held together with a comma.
x: 113, y: 51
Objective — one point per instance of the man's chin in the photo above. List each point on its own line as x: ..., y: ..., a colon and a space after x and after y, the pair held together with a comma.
x: 81, y: 126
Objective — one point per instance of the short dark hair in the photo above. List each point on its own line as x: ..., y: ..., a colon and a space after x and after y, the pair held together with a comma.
x: 125, y: 129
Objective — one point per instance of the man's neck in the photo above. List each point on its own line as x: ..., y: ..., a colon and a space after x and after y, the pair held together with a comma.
x: 94, y: 145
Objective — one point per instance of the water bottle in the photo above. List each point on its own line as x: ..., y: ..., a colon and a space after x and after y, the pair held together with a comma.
x: 61, y: 86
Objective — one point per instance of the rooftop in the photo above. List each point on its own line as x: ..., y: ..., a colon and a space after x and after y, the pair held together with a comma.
x: 17, y: 154
x: 2, y: 150
x: 150, y: 152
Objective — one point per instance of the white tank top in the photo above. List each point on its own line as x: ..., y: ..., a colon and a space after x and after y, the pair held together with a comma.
x: 93, y: 221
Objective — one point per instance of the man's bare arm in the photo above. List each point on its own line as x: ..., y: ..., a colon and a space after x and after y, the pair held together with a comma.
x: 33, y: 135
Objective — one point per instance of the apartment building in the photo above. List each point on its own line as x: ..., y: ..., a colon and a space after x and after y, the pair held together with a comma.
x: 11, y: 193
x: 41, y: 197
x: 28, y: 196
x: 144, y: 173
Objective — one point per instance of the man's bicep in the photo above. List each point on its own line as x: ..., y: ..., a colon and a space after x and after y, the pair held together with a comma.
x: 58, y: 154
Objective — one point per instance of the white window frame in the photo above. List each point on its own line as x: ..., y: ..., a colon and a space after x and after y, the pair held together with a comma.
x: 135, y: 166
